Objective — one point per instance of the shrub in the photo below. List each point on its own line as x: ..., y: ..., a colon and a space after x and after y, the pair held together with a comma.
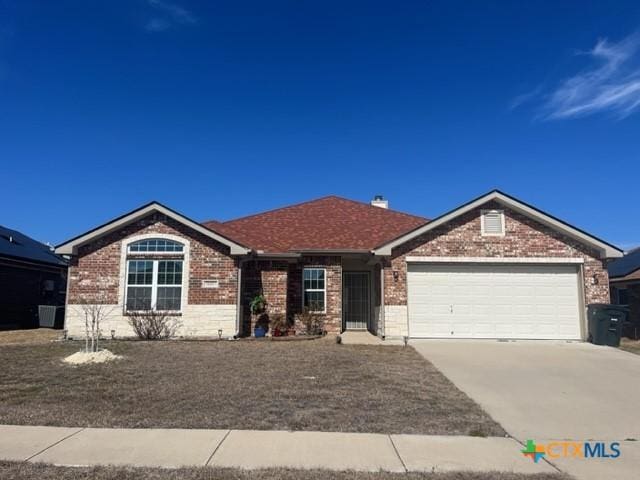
x: 152, y: 325
x: 312, y: 322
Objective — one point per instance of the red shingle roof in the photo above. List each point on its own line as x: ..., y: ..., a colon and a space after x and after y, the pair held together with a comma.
x: 328, y: 223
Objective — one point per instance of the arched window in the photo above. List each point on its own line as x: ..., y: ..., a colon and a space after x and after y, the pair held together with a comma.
x: 154, y: 275
x: 156, y: 245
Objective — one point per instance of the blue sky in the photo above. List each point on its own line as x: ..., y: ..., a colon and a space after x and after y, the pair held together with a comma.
x: 221, y: 109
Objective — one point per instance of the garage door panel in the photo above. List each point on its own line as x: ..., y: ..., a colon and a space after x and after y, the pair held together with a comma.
x: 480, y: 290
x: 437, y: 309
x: 436, y: 327
x: 565, y: 311
x: 542, y: 310
x: 499, y: 310
x: 493, y: 301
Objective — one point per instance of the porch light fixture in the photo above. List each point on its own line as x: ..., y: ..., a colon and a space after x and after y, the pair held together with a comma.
x: 220, y: 334
x: 595, y: 279
x: 395, y: 275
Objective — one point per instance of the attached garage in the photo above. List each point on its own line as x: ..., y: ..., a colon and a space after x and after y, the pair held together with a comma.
x: 479, y: 300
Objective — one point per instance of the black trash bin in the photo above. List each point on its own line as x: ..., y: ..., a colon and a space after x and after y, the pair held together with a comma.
x: 605, y: 323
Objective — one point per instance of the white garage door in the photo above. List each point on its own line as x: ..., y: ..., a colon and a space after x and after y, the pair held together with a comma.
x: 493, y: 301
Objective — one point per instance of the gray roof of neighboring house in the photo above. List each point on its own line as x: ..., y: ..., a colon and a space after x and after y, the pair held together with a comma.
x: 14, y: 244
x: 625, y: 265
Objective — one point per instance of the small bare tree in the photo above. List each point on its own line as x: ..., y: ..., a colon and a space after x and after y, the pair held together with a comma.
x: 152, y: 325
x: 95, y: 310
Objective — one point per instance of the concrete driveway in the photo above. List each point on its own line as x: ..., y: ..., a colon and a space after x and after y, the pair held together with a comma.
x: 546, y: 391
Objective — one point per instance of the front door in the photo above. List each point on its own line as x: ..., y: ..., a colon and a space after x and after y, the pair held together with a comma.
x: 356, y: 300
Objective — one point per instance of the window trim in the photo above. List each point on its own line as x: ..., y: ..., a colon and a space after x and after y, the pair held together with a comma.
x: 174, y: 253
x: 125, y: 256
x: 323, y: 290
x: 154, y: 284
x: 483, y: 232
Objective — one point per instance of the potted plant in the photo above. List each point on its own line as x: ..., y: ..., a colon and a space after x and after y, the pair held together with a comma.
x: 258, y: 304
x: 278, y: 324
x: 262, y: 326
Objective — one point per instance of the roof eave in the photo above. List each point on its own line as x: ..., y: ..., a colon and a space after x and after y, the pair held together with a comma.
x: 62, y: 263
x: 331, y: 251
x: 632, y: 276
x: 71, y: 246
x: 261, y: 254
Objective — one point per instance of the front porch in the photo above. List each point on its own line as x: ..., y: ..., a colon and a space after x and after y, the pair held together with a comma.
x: 343, y: 292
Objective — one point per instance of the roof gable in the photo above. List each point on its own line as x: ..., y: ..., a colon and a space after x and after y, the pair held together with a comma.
x: 606, y: 249
x: 70, y: 247
x: 326, y: 224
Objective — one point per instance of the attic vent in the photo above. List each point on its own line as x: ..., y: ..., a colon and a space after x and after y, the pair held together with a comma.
x: 492, y: 222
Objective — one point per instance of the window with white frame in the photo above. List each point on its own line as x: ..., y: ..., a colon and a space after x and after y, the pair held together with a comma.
x: 154, y: 283
x: 314, y: 289
x: 492, y: 222
x: 156, y: 245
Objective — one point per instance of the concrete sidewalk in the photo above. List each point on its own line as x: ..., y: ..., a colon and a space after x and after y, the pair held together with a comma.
x: 251, y: 449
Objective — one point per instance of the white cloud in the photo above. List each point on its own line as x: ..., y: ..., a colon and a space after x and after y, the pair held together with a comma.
x: 167, y: 15
x: 524, y: 98
x: 157, y: 25
x: 611, y: 84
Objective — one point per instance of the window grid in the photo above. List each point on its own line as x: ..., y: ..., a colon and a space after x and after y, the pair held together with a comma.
x: 314, y: 289
x: 156, y: 245
x: 154, y: 285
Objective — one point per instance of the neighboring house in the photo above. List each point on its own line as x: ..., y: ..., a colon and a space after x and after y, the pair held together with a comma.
x: 624, y: 278
x: 494, y: 267
x: 31, y: 274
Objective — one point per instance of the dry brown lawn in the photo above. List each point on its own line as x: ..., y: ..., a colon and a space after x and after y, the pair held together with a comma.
x: 265, y: 385
x: 27, y: 471
x: 629, y: 345
x: 29, y: 337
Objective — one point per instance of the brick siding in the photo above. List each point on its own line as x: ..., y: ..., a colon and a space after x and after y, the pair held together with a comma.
x: 269, y: 278
x: 95, y: 271
x: 95, y: 275
x: 523, y: 237
x: 333, y: 299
